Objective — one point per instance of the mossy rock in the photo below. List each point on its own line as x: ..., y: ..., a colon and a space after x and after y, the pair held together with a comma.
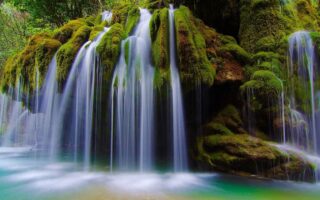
x: 95, y: 32
x: 64, y: 33
x: 264, y: 82
x: 132, y: 19
x: 265, y: 23
x: 225, y: 55
x: 67, y: 53
x: 126, y: 14
x: 157, y: 4
x: 246, y: 155
x: 25, y: 65
x: 159, y: 31
x: 195, y: 68
x: 110, y: 47
x: 238, y: 52
x: 226, y: 122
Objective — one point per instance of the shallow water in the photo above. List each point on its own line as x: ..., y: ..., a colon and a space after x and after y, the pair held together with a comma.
x: 24, y: 178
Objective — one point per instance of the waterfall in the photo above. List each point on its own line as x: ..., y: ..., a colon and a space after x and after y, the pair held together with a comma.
x: 302, y: 65
x: 106, y: 16
x: 77, y: 101
x: 302, y: 93
x: 178, y: 124
x: 61, y: 121
x: 132, y: 102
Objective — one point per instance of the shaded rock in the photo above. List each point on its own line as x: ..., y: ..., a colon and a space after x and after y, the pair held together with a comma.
x: 227, y: 122
x: 224, y: 15
x: 232, y: 71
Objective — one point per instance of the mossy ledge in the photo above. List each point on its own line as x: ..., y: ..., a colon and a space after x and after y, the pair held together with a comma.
x: 109, y: 48
x: 67, y: 53
x: 24, y: 66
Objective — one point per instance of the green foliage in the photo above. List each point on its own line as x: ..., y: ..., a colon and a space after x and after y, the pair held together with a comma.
x: 15, y: 28
x: 57, y: 11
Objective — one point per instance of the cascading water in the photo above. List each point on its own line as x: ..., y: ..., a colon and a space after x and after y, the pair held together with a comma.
x: 77, y: 101
x: 132, y: 102
x: 302, y: 69
x: 303, y: 76
x: 178, y: 125
x: 106, y: 16
x: 61, y: 121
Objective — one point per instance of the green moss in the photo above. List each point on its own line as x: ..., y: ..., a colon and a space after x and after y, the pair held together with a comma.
x: 227, y: 121
x: 307, y: 13
x: 109, y: 47
x: 265, y: 23
x: 263, y: 87
x: 98, y: 19
x: 132, y: 19
x: 44, y: 55
x: 36, y: 56
x: 217, y: 128
x: 90, y: 20
x: 68, y: 52
x: 247, y: 155
x: 120, y: 13
x: 64, y: 33
x: 239, y: 149
x: 238, y: 52
x: 316, y: 39
x: 156, y: 4
x: 9, y: 73
x: 264, y: 81
x: 195, y: 67
x: 159, y: 30
x: 127, y: 47
x: 95, y: 32
x: 263, y: 56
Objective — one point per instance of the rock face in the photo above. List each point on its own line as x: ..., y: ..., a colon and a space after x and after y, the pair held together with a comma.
x: 225, y: 146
